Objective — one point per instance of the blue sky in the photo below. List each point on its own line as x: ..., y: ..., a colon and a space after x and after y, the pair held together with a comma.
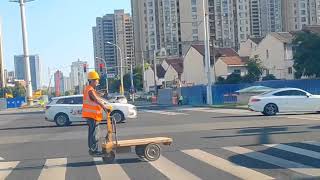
x: 59, y: 30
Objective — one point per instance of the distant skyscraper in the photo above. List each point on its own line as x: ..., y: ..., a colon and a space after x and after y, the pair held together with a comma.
x: 77, y: 75
x: 67, y: 83
x: 2, y: 79
x: 58, y: 83
x: 19, y: 66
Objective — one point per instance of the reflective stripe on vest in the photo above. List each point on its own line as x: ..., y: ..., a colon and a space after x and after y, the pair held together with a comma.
x: 90, y: 109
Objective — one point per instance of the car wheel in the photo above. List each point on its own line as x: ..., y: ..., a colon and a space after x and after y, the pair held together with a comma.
x: 117, y: 116
x: 270, y: 110
x: 62, y: 119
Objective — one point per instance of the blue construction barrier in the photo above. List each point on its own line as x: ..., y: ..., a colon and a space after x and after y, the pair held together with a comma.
x: 226, y: 93
x: 15, y: 102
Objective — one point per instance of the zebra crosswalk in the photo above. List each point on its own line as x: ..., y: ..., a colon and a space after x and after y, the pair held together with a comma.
x: 171, y: 168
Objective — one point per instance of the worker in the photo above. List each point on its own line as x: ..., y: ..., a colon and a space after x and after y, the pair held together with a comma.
x: 92, y: 112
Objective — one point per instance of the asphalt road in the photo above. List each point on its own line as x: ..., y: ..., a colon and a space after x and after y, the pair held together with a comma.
x: 208, y: 144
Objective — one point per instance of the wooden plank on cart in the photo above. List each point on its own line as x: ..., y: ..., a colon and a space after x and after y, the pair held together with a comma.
x: 144, y: 141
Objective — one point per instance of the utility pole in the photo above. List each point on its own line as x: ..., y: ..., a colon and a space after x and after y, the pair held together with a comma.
x: 132, y: 85
x: 155, y: 72
x: 25, y: 50
x: 207, y: 53
x: 2, y: 79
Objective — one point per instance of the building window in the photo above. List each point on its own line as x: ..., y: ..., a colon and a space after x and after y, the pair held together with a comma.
x: 290, y: 70
x: 237, y: 71
x: 193, y: 2
x: 267, y: 54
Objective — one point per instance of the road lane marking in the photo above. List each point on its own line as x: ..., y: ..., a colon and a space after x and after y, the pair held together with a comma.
x: 172, y: 170
x: 169, y: 113
x: 110, y: 171
x: 295, y: 150
x: 54, y: 169
x: 300, y: 168
x: 225, y: 165
x: 305, y: 117
x: 6, y: 168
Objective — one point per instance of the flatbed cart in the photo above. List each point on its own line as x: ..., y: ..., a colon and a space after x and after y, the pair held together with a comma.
x: 145, y: 148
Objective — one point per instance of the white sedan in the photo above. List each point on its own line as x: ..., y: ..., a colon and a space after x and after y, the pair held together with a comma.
x: 285, y: 100
x: 67, y: 109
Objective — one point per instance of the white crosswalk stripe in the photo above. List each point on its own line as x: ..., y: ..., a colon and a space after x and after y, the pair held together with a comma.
x: 171, y: 170
x: 227, y: 166
x: 309, y: 117
x: 110, y: 171
x: 6, y: 168
x: 295, y: 150
x: 221, y: 111
x: 1, y: 159
x: 54, y: 169
x: 297, y: 167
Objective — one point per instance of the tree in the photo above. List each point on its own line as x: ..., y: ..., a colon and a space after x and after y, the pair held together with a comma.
x: 233, y: 79
x: 306, y: 55
x: 255, y: 69
x: 18, y: 90
x: 269, y: 77
x: 221, y: 80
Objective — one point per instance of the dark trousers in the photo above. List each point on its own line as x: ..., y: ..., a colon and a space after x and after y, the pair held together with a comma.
x: 93, y: 135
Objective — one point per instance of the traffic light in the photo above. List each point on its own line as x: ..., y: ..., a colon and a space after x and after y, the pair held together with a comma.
x: 101, y: 67
x: 85, y: 68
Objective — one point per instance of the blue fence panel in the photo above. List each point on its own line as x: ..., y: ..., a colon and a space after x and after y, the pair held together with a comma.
x: 226, y: 93
x: 15, y: 102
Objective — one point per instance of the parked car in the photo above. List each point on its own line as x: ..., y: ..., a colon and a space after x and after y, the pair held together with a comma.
x: 67, y: 109
x: 284, y: 100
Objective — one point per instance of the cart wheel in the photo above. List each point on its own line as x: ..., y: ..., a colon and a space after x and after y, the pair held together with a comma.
x: 108, y: 157
x: 152, y: 152
x: 140, y: 151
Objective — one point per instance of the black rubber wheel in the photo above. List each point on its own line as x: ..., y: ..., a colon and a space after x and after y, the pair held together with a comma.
x: 62, y: 119
x: 152, y: 152
x: 140, y: 151
x: 270, y: 110
x: 117, y: 116
x: 109, y: 157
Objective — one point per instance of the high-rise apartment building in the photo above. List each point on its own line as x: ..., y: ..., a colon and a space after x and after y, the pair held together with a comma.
x: 124, y: 39
x: 67, y: 83
x: 2, y: 79
x: 77, y: 75
x: 157, y: 26
x: 19, y: 66
x: 117, y: 29
x: 103, y: 34
x: 298, y: 13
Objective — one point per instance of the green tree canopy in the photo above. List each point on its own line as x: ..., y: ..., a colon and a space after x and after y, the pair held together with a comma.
x: 306, y: 55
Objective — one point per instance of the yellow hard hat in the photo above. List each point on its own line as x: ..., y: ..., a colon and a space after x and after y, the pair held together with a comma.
x: 93, y: 75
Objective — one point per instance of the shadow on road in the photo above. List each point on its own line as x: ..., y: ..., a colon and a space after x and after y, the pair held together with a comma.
x: 263, y: 133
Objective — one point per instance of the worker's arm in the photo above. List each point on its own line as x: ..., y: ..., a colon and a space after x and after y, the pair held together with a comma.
x: 94, y: 98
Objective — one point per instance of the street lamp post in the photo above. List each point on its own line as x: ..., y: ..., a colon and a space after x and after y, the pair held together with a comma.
x: 105, y: 63
x: 25, y: 50
x: 121, y: 70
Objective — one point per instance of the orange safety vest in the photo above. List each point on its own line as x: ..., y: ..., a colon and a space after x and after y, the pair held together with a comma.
x: 91, y: 109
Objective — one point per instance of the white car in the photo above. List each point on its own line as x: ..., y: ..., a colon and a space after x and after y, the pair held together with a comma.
x: 67, y: 109
x: 284, y: 100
